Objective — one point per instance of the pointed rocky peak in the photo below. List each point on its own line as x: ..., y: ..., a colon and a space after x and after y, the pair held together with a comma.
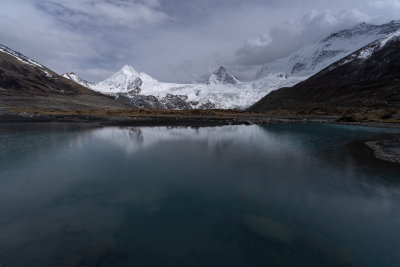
x: 126, y: 80
x: 129, y: 70
x: 222, y: 76
x: 221, y: 70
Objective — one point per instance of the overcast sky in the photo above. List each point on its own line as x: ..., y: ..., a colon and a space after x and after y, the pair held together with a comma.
x: 175, y: 40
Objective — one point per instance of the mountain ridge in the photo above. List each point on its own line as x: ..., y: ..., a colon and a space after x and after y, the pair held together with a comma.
x: 224, y: 91
x: 27, y: 84
x: 312, y: 58
x: 368, y: 77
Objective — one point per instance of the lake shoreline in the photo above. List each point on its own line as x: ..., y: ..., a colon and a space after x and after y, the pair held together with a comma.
x: 149, y: 117
x: 177, y: 118
x: 381, y: 148
x: 203, y: 120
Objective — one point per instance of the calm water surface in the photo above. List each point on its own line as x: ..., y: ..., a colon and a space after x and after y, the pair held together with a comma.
x: 284, y: 195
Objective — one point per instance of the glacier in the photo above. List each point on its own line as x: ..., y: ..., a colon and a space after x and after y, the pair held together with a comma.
x: 218, y: 93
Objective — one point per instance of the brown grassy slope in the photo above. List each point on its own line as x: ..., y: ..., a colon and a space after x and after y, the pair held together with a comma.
x: 16, y: 77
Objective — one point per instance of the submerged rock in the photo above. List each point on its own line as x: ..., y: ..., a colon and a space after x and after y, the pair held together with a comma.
x: 387, y: 150
x: 267, y: 228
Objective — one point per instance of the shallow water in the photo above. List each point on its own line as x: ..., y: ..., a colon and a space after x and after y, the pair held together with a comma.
x: 283, y: 195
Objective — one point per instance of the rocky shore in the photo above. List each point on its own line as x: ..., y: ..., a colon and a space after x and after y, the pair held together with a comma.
x: 387, y: 150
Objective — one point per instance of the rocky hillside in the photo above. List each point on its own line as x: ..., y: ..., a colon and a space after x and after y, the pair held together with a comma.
x: 370, y: 77
x: 19, y: 74
x: 25, y: 83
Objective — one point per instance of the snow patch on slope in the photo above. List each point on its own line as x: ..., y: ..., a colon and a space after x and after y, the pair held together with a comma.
x: 389, y: 38
x: 367, y: 51
x: 20, y: 57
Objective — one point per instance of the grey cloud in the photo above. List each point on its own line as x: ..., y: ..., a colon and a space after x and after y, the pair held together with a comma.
x: 104, y: 13
x: 174, y: 40
x: 293, y: 34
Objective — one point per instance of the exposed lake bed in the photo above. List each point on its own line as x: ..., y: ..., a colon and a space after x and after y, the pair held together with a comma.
x: 281, y: 195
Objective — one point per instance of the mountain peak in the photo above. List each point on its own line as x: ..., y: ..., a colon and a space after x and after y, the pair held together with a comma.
x: 222, y: 76
x: 221, y: 70
x: 129, y: 70
x: 74, y: 77
x: 127, y: 80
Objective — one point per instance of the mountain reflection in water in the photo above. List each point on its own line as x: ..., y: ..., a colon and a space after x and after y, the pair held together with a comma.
x: 283, y: 195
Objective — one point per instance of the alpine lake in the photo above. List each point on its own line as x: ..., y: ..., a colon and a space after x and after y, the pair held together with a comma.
x: 301, y: 194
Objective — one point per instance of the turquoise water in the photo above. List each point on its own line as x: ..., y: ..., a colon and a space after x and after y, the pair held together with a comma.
x: 283, y: 195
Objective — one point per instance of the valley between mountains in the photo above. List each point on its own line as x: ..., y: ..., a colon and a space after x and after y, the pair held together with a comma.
x: 352, y: 74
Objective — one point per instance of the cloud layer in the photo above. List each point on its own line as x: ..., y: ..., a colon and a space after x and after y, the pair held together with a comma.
x: 293, y: 34
x: 175, y: 40
x: 108, y: 14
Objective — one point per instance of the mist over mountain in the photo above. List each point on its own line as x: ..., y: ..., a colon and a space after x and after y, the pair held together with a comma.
x: 312, y: 58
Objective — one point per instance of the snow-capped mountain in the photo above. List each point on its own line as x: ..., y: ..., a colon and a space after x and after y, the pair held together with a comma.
x: 143, y: 91
x: 312, y: 58
x: 222, y: 76
x: 127, y: 80
x: 369, y: 77
x: 74, y: 77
